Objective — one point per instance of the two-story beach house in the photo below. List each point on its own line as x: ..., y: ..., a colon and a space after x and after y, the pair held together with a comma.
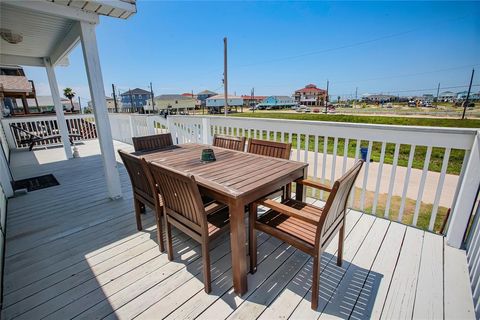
x: 310, y: 96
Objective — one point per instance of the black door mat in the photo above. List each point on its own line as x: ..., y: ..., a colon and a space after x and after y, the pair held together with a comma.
x: 36, y: 183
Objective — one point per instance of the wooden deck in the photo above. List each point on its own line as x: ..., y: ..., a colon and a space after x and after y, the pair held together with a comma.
x: 72, y: 253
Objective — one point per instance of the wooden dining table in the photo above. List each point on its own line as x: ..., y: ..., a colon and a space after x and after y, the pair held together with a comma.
x: 236, y: 179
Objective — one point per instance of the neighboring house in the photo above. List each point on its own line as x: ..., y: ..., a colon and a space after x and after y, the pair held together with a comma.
x: 204, y: 95
x: 310, y: 96
x: 447, y: 96
x: 198, y: 103
x: 17, y: 93
x: 475, y: 96
x: 250, y: 101
x: 110, y: 104
x: 136, y: 98
x: 218, y: 101
x: 379, y: 98
x: 45, y: 104
x: 462, y: 95
x: 277, y: 102
x: 427, y: 97
x: 171, y: 101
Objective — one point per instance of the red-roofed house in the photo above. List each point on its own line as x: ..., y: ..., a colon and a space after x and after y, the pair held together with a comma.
x: 311, y: 96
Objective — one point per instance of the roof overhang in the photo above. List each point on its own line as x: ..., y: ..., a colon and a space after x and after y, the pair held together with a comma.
x: 51, y: 29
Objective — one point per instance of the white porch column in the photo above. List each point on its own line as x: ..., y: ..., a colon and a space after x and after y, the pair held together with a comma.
x: 97, y: 93
x: 466, y: 197
x: 61, y: 122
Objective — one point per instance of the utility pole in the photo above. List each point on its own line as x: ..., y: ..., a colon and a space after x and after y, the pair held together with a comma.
x: 114, y: 98
x: 326, y: 99
x: 79, y: 105
x: 153, y: 100
x: 252, y: 101
x: 193, y: 103
x: 356, y: 95
x: 438, y: 91
x: 131, y: 100
x: 225, y: 81
x: 465, y: 103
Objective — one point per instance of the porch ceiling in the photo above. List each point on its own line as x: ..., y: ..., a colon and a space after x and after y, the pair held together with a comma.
x: 50, y: 28
x: 41, y: 32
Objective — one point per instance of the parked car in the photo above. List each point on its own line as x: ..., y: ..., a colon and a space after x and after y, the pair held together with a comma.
x: 307, y: 110
x: 316, y: 110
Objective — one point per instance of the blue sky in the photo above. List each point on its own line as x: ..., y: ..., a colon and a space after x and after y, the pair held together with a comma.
x: 278, y: 47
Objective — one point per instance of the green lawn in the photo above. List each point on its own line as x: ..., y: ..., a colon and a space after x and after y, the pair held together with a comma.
x: 456, y: 156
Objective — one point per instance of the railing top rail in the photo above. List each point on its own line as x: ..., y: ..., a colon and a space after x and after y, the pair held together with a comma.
x: 428, y: 129
x: 456, y: 138
x: 44, y: 118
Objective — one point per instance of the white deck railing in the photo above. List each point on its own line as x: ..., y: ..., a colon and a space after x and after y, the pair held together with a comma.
x: 44, y: 126
x: 396, y: 190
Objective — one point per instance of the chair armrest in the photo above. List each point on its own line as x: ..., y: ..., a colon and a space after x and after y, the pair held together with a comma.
x: 314, y: 184
x: 289, y: 211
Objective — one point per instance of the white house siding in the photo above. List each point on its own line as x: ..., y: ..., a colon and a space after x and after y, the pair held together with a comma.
x: 220, y: 101
x: 161, y: 104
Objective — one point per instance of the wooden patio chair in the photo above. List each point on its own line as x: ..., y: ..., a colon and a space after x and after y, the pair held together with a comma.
x: 306, y: 227
x: 269, y: 148
x: 185, y: 211
x: 143, y: 193
x: 31, y: 138
x: 272, y: 149
x: 229, y: 142
x: 153, y: 142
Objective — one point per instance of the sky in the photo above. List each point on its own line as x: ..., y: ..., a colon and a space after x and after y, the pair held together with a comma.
x: 401, y: 48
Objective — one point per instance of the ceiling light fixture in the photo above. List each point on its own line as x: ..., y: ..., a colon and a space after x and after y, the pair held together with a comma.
x: 11, y: 37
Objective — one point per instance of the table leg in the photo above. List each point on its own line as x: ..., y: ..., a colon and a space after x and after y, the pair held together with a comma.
x: 300, y: 193
x: 237, y: 241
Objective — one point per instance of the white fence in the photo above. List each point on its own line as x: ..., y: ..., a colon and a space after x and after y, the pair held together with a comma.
x: 80, y: 126
x: 330, y: 147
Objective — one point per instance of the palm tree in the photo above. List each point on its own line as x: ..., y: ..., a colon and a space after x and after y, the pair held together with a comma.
x: 69, y: 94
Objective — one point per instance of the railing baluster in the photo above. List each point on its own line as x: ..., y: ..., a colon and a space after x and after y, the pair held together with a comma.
x: 406, y: 182
x: 379, y: 178
x: 365, y: 175
x: 334, y: 161
x: 282, y: 136
x: 324, y: 162
x: 392, y: 179
x: 422, y: 185
x: 299, y: 146
x: 438, y: 193
x: 345, y: 155
x: 315, y: 161
x: 352, y: 195
x: 305, y: 155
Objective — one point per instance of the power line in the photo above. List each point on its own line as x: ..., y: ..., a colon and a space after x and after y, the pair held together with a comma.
x: 351, y: 45
x: 410, y: 74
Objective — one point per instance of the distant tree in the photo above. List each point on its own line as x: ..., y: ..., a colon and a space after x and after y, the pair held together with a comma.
x: 69, y: 94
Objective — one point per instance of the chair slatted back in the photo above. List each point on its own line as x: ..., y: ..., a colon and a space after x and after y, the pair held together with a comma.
x: 181, y: 197
x: 153, y: 142
x: 138, y: 177
x: 269, y: 148
x: 336, y: 205
x: 229, y: 142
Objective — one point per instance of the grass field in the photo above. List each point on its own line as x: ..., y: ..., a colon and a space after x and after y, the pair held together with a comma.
x: 456, y: 156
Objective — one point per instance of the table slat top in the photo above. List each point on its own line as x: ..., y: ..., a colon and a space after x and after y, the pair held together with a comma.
x: 234, y: 173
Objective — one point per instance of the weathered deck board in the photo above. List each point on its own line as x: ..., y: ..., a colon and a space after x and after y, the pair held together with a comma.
x: 72, y: 253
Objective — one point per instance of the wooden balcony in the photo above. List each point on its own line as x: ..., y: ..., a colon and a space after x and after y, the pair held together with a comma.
x: 71, y: 252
